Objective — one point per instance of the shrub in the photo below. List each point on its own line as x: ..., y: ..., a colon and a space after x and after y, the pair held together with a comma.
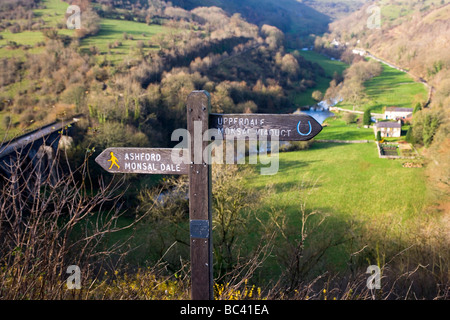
x: 317, y: 95
x: 378, y: 136
x: 6, y: 122
x: 366, y: 118
x: 349, y: 117
x: 409, y: 135
x: 27, y: 117
x: 14, y: 29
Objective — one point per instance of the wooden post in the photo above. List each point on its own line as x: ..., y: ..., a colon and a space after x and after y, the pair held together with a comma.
x: 198, y: 108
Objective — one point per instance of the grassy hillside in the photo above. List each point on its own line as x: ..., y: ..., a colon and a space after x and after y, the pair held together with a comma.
x: 329, y: 66
x: 127, y: 34
x: 354, y: 189
x: 114, y: 42
x: 372, y: 190
x: 391, y: 88
x: 111, y: 31
x: 51, y: 15
x: 413, y: 35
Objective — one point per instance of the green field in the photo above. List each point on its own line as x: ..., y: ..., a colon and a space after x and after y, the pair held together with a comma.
x: 391, y: 88
x: 110, y: 31
x: 113, y: 30
x: 351, y: 180
x: 27, y: 38
x: 352, y: 187
x: 336, y: 129
x: 391, y: 11
x: 330, y: 67
x: 52, y: 14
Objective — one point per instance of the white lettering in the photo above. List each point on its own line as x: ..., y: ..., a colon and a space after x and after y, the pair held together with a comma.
x: 74, y: 20
x: 191, y: 310
x: 74, y: 280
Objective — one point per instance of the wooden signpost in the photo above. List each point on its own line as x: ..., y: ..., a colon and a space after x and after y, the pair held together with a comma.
x: 283, y: 127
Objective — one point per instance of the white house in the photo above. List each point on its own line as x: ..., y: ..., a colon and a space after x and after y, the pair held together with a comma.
x: 361, y: 52
x: 389, y: 128
x: 335, y: 43
x: 395, y: 113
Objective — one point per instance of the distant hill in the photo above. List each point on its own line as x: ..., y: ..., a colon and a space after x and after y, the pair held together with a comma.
x: 328, y: 9
x: 335, y: 9
x: 413, y: 34
x: 290, y: 16
x: 296, y: 18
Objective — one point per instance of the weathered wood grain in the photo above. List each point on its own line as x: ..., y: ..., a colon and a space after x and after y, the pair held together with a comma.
x: 198, y: 108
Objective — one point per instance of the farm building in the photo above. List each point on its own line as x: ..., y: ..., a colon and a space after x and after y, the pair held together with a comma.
x: 388, y: 128
x: 361, y: 52
x: 335, y: 43
x: 395, y: 113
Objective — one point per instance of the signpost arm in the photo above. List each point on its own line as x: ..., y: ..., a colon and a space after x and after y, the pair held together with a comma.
x: 198, y: 108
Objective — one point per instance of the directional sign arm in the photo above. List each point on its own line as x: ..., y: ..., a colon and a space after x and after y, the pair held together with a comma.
x: 286, y: 127
x: 142, y: 160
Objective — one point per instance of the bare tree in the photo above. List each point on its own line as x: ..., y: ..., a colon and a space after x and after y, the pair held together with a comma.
x: 51, y: 219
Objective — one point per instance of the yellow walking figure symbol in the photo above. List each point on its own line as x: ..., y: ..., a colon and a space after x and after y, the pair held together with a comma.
x: 113, y: 161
